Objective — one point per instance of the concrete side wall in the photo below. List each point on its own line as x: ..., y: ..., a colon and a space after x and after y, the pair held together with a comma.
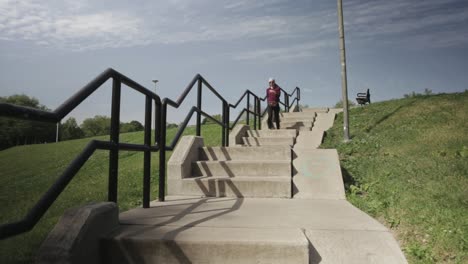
x: 179, y: 165
x: 75, y: 238
x: 237, y: 133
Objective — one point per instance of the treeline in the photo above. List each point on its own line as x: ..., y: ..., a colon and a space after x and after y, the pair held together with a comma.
x: 14, y: 132
x: 96, y: 126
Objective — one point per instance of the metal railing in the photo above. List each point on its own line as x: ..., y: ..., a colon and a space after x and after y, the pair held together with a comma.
x: 114, y: 146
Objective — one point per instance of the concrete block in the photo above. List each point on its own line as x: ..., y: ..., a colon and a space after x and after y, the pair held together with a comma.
x: 172, y: 244
x: 75, y: 238
x: 179, y: 165
x: 233, y: 168
x: 237, y: 133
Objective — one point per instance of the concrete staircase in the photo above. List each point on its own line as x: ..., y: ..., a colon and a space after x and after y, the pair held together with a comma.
x: 301, y: 121
x: 217, y: 211
x: 237, y: 171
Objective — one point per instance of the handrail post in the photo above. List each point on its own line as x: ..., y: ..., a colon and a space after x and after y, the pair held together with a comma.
x: 162, y: 154
x: 223, y: 129
x: 114, y: 138
x: 147, y: 154
x: 255, y: 116
x: 248, y: 106
x: 199, y: 102
x: 157, y: 122
x: 227, y: 124
x: 259, y: 111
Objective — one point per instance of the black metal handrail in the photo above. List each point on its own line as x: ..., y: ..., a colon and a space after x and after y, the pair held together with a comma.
x: 224, y: 123
x: 44, y: 203
x: 39, y: 209
x: 255, y: 113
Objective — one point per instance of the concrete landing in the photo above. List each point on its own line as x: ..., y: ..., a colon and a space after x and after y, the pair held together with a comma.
x: 336, y: 231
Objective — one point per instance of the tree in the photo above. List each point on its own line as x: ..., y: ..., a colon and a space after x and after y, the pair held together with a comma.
x: 133, y: 126
x: 172, y: 125
x: 70, y: 130
x: 17, y: 132
x: 207, y: 121
x: 96, y: 126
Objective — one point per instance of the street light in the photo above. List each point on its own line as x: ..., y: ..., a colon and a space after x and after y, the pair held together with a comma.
x: 344, y: 81
x: 155, y: 82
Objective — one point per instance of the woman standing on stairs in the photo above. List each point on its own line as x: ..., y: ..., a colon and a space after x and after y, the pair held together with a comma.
x: 273, y: 93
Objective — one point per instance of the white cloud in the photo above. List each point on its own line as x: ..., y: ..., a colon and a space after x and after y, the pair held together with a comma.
x: 411, y: 22
x: 48, y: 25
x: 83, y: 25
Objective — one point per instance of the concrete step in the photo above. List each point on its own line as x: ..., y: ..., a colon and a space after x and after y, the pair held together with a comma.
x: 272, y: 133
x: 316, y: 109
x: 243, y: 153
x: 268, y: 141
x: 226, y: 186
x: 298, y: 119
x: 234, y: 168
x: 175, y: 244
x: 296, y: 125
x: 299, y: 114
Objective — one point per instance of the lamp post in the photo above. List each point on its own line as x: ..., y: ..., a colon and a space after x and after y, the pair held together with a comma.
x: 344, y: 81
x: 155, y: 82
x: 57, y: 133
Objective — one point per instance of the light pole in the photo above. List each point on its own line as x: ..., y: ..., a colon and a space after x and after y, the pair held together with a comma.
x: 344, y: 81
x: 155, y: 82
x: 57, y: 133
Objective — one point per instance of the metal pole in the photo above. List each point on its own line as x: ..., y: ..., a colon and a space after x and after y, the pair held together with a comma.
x: 199, y: 102
x: 147, y: 155
x: 114, y: 138
x: 227, y: 124
x: 255, y: 116
x: 248, y: 107
x: 162, y: 154
x: 344, y: 82
x: 223, y: 129
x: 259, y: 112
x: 155, y: 83
x: 57, y: 133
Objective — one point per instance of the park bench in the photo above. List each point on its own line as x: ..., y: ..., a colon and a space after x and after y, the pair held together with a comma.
x: 363, y: 98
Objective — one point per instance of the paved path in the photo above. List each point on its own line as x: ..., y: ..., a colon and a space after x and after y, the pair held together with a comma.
x: 336, y: 231
x: 317, y: 171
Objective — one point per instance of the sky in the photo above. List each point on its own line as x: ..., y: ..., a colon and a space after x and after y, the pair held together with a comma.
x: 50, y: 49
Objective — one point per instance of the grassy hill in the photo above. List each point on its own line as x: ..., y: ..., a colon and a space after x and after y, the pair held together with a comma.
x: 407, y: 165
x: 26, y: 172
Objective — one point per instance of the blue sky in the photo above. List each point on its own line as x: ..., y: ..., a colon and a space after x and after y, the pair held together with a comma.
x: 49, y: 49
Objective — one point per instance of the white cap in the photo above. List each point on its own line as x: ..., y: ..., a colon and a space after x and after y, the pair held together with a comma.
x: 271, y: 80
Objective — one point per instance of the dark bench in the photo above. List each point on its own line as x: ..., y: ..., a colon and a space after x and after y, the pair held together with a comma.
x: 363, y: 98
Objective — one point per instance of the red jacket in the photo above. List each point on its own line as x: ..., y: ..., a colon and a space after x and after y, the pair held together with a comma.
x: 273, y: 95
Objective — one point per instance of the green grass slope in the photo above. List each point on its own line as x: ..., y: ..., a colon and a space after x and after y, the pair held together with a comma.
x: 407, y: 165
x: 26, y: 172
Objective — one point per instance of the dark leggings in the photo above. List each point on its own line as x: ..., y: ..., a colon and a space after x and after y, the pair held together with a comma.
x: 273, y: 110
